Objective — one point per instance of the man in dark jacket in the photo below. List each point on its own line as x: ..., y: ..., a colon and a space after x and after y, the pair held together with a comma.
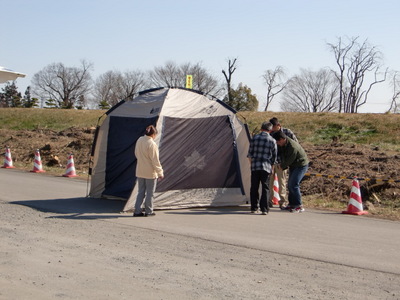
x: 280, y: 174
x: 293, y: 157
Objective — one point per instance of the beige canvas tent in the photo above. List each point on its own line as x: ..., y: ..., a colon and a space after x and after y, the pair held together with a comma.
x: 203, y: 148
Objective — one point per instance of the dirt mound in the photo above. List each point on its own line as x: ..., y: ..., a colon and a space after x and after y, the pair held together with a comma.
x: 337, y: 160
x: 370, y: 165
x: 54, y: 146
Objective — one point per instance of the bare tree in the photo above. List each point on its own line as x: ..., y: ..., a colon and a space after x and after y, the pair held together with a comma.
x: 341, y: 53
x: 173, y: 75
x: 355, y: 62
x: 228, y: 78
x: 311, y: 92
x: 132, y: 83
x: 395, y: 83
x: 114, y: 86
x: 168, y: 76
x: 275, y: 81
x: 107, y: 89
x: 202, y: 80
x: 64, y: 85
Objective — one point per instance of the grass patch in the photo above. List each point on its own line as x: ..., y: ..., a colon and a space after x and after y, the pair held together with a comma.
x: 55, y: 119
x: 342, y: 133
x: 391, y: 212
x: 322, y: 202
x: 373, y: 129
x: 377, y: 129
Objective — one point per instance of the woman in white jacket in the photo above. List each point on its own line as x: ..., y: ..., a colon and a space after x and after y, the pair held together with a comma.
x: 148, y: 170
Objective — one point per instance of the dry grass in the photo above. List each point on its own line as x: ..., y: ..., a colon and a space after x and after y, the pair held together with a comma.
x: 316, y: 128
x: 323, y: 203
x: 55, y: 119
x: 319, y: 128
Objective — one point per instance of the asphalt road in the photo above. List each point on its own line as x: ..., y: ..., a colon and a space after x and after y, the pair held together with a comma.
x: 358, y: 243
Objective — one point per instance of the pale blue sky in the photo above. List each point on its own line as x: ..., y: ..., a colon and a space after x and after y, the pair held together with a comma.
x: 139, y: 35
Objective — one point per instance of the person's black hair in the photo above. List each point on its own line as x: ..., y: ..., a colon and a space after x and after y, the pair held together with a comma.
x: 274, y: 121
x: 279, y: 135
x: 150, y: 130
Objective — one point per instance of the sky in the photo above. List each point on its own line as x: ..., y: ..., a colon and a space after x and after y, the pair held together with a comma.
x: 140, y: 35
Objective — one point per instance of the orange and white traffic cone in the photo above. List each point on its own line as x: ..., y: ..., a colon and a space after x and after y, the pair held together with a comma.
x: 70, y: 167
x: 355, y: 206
x: 37, y: 163
x: 8, y: 163
x: 276, y: 197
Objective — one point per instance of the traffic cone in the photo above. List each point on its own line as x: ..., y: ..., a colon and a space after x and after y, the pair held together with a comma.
x: 276, y: 197
x: 8, y: 163
x: 37, y: 163
x: 70, y: 167
x: 355, y: 206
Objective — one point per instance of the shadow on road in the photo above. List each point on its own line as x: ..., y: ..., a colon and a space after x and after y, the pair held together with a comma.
x: 80, y: 205
x: 76, y: 208
x: 239, y: 210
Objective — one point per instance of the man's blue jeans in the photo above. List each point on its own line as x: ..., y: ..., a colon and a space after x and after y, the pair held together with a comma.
x: 296, y: 174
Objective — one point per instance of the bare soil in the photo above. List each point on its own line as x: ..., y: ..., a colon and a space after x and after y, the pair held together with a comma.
x: 378, y: 172
x: 338, y: 160
x: 54, y: 146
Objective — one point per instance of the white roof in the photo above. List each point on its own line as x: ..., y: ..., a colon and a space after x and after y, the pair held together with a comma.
x: 7, y: 74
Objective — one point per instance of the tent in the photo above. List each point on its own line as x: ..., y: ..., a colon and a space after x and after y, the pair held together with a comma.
x: 203, y: 150
x: 7, y: 74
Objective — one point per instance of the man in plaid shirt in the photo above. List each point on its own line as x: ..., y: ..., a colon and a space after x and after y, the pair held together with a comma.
x: 263, y: 155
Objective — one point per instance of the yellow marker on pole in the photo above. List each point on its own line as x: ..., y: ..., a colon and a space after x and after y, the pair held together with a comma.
x: 189, y: 81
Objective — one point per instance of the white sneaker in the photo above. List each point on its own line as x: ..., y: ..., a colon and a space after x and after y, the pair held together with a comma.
x: 297, y: 209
